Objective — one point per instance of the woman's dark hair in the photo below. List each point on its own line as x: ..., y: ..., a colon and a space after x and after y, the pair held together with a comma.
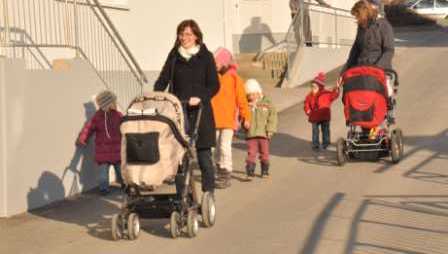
x: 194, y: 28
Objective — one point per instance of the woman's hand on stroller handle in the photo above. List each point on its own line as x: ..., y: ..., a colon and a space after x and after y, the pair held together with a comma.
x: 339, y: 82
x: 194, y: 101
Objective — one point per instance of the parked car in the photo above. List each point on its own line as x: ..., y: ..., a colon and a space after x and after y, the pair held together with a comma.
x: 433, y: 8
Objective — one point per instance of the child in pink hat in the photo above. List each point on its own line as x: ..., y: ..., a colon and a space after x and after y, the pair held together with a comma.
x: 229, y: 105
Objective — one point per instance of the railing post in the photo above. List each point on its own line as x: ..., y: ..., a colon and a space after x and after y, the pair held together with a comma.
x: 75, y: 20
x: 67, y: 25
x: 6, y: 39
x: 336, y: 37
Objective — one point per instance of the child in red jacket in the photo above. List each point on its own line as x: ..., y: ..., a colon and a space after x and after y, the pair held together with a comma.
x: 318, y: 109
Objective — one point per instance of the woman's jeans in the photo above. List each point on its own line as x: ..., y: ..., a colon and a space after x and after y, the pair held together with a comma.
x: 204, y: 156
x: 104, y: 175
x: 325, y: 128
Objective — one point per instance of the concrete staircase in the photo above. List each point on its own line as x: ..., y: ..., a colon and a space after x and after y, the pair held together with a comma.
x: 269, y: 70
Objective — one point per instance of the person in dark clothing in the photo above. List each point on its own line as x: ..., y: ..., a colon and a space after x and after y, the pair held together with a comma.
x: 374, y: 43
x: 294, y: 6
x: 190, y: 74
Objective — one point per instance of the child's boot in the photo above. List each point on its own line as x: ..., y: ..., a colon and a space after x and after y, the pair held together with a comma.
x: 264, y: 169
x: 250, y: 169
x: 223, y: 180
x: 227, y: 179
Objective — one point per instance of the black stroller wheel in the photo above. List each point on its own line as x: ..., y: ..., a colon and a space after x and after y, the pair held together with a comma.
x: 175, y: 228
x: 400, y: 143
x: 208, y: 210
x: 340, y: 152
x: 192, y: 224
x: 117, y: 229
x: 133, y: 226
x: 396, y: 146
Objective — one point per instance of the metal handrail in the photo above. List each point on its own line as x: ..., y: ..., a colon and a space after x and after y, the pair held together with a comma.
x: 298, y: 34
x: 81, y: 26
x: 121, y: 41
x: 328, y: 7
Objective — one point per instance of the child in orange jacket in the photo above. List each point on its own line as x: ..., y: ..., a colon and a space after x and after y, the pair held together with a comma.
x: 227, y: 104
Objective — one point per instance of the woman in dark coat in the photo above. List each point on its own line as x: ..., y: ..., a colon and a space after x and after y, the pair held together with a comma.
x: 190, y: 74
x: 374, y: 43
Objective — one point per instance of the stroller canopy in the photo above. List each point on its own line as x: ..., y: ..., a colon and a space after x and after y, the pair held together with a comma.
x: 365, y: 96
x: 153, y: 139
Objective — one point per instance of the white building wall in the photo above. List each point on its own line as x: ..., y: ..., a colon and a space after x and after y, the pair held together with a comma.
x: 149, y: 27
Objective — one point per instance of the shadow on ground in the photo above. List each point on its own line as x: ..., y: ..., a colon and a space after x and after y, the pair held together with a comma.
x: 437, y: 146
x: 386, y: 224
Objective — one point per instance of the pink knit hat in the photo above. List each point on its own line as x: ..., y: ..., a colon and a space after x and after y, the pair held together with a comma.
x: 225, y: 58
x: 320, y: 79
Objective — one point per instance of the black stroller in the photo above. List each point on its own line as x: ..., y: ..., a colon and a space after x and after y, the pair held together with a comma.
x: 155, y: 151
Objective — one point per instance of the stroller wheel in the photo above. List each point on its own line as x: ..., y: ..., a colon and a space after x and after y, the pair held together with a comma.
x: 340, y: 152
x: 133, y: 226
x: 174, y: 224
x: 117, y: 229
x: 401, y: 144
x: 396, y: 146
x: 192, y: 224
x: 208, y: 210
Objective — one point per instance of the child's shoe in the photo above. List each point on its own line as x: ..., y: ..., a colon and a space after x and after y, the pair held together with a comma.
x: 104, y: 192
x: 224, y: 178
x: 264, y: 170
x: 250, y: 170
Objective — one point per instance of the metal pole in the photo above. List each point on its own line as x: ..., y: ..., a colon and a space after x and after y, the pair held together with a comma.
x: 75, y: 20
x: 336, y: 37
x: 66, y: 22
x: 142, y: 76
x: 7, y: 38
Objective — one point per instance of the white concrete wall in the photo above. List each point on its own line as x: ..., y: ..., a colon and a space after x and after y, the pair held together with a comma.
x: 149, y: 27
x: 311, y: 61
x: 3, y: 140
x: 42, y: 114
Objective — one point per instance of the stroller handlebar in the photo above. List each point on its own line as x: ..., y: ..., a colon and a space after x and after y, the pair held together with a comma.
x: 200, y: 106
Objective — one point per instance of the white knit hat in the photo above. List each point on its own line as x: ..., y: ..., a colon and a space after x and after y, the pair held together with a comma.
x: 252, y: 86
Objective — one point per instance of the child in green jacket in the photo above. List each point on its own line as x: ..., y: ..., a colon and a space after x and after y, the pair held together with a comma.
x: 262, y: 126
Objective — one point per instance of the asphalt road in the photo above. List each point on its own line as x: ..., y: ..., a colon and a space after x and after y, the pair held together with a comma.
x: 309, y: 205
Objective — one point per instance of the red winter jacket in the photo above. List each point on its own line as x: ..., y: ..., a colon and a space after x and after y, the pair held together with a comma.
x: 317, y: 106
x: 106, y: 127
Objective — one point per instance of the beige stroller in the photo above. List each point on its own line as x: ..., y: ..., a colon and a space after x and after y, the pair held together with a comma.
x: 156, y: 150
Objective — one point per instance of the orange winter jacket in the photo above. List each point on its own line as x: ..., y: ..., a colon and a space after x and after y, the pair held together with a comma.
x: 230, y: 98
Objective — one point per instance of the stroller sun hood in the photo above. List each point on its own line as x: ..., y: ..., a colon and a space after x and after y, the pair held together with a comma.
x: 365, y: 96
x: 153, y: 140
x: 365, y: 78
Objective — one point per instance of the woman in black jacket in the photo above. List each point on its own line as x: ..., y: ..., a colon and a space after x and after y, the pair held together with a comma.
x: 190, y: 74
x: 374, y: 43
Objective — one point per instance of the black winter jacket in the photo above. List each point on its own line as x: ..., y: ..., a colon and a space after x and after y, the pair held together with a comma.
x: 374, y: 45
x: 194, y: 78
